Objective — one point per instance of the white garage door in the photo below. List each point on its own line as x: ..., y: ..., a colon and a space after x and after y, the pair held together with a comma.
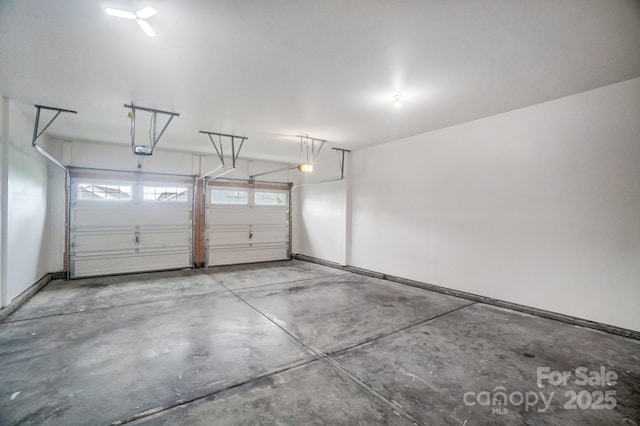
x: 129, y: 226
x: 245, y: 225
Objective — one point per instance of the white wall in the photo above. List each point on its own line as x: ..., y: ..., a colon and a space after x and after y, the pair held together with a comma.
x: 320, y: 212
x: 24, y: 207
x: 538, y: 206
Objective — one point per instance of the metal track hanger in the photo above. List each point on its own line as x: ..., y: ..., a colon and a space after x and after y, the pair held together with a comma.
x: 67, y: 176
x: 37, y: 133
x: 154, y: 136
x: 304, y: 144
x: 340, y: 152
x: 305, y: 162
x: 220, y: 151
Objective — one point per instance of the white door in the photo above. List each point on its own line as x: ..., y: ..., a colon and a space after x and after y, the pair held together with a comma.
x: 245, y: 225
x: 129, y: 226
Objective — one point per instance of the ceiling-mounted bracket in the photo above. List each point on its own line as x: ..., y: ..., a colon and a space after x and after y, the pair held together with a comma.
x: 309, y: 159
x: 154, y: 135
x: 37, y: 132
x: 340, y: 152
x: 252, y: 178
x: 306, y: 142
x: 220, y: 151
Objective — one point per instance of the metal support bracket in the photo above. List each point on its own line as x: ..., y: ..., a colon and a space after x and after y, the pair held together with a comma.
x: 305, y: 142
x: 313, y: 147
x: 340, y: 152
x: 37, y: 132
x: 154, y: 135
x: 67, y: 182
x: 220, y: 151
x: 252, y: 178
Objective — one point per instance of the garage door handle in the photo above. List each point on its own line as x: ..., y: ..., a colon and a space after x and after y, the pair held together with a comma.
x: 137, y: 238
x: 250, y: 235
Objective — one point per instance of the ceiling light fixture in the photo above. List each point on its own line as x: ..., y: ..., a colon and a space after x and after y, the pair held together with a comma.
x: 397, y: 100
x: 140, y: 17
x: 146, y: 13
x: 305, y: 167
x: 308, y: 147
x: 146, y: 28
x: 120, y: 13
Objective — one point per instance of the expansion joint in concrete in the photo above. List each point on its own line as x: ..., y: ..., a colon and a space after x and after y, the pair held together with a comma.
x: 318, y: 354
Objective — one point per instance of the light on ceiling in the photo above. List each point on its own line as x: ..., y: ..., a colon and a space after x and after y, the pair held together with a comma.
x: 146, y: 27
x: 308, y: 152
x: 140, y: 17
x: 120, y: 13
x: 397, y: 100
x: 146, y: 13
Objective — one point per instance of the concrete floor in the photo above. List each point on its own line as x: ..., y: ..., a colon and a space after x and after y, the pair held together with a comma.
x: 297, y: 343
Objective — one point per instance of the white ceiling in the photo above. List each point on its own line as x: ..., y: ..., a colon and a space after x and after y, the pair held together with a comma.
x: 269, y: 69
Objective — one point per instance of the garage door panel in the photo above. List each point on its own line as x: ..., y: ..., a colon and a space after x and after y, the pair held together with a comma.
x: 95, y: 242
x: 222, y: 236
x: 228, y: 217
x: 164, y: 239
x: 131, y: 215
x: 129, y: 262
x: 269, y: 216
x: 247, y: 216
x: 270, y: 235
x: 84, y: 217
x: 126, y: 226
x: 247, y: 233
x: 230, y: 256
x: 110, y: 236
x: 163, y: 216
x: 125, y: 237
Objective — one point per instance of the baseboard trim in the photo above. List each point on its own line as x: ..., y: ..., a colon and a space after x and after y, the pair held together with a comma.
x: 22, y: 298
x: 611, y: 329
x: 59, y: 275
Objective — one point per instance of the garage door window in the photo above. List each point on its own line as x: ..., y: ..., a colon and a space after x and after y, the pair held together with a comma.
x: 96, y: 191
x: 166, y: 194
x: 226, y: 196
x: 270, y: 198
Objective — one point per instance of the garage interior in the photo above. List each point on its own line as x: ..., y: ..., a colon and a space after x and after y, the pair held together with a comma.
x: 282, y: 212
